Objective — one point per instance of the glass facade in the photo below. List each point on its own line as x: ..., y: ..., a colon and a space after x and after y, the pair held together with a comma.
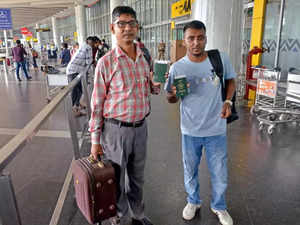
x: 66, y: 27
x: 289, y: 51
x: 154, y: 17
x: 98, y: 20
x: 289, y: 54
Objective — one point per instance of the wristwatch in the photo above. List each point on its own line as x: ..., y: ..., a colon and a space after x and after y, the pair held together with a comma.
x: 228, y: 101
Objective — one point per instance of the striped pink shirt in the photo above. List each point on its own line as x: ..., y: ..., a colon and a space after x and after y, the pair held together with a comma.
x: 121, y: 90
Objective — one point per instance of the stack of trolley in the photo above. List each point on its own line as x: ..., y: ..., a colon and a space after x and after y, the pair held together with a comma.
x: 55, y: 79
x: 272, y: 105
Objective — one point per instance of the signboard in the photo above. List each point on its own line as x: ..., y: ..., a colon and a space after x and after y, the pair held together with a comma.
x: 5, y: 19
x: 267, y: 88
x: 181, y: 8
x: 29, y: 34
x: 24, y: 30
x: 42, y: 30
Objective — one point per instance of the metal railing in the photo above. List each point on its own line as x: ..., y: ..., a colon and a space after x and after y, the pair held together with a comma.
x: 9, y: 213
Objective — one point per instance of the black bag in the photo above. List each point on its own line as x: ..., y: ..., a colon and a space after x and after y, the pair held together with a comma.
x: 216, y: 61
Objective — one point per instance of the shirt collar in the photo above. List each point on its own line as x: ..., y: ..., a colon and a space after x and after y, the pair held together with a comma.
x: 121, y: 53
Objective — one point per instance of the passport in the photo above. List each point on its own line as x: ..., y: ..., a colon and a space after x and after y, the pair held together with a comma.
x: 161, y: 67
x: 180, y: 83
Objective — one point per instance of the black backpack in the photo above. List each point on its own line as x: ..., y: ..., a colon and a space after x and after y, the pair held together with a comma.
x: 216, y: 61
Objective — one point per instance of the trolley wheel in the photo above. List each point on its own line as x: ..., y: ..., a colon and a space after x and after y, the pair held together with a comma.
x: 271, y: 130
x: 272, y: 117
x: 261, y: 125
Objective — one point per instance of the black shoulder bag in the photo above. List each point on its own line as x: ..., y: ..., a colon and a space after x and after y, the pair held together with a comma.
x: 216, y: 61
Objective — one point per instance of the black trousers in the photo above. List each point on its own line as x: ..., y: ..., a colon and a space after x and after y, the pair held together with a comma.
x: 76, y: 92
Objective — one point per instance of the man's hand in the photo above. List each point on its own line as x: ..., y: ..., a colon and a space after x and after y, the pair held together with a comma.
x: 155, y: 86
x: 96, y: 150
x: 226, y: 110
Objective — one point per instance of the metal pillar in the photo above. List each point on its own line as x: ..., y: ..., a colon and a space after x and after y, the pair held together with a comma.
x: 86, y: 94
x: 38, y: 37
x: 9, y: 213
x: 114, y: 4
x: 80, y: 16
x: 6, y: 52
x: 279, y: 34
x: 55, y: 33
x: 72, y: 127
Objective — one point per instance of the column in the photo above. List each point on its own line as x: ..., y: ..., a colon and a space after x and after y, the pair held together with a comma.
x: 38, y: 37
x: 6, y: 51
x: 222, y: 19
x: 55, y: 32
x: 81, y: 23
x: 6, y: 43
x: 258, y: 18
x: 114, y: 4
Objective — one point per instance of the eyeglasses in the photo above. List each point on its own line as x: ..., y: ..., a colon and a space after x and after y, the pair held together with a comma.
x: 122, y: 24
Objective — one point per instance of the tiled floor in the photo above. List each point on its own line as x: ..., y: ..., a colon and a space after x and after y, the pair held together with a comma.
x: 264, y: 181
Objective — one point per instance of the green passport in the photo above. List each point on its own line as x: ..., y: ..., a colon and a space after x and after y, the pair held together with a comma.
x: 181, y: 86
x: 160, y: 69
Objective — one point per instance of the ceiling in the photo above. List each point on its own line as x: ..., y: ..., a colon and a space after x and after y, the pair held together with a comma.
x: 28, y: 12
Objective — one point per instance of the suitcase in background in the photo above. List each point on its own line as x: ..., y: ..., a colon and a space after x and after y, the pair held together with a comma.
x: 95, y: 189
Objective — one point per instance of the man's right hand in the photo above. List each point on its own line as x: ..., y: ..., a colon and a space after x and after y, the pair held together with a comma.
x: 96, y: 150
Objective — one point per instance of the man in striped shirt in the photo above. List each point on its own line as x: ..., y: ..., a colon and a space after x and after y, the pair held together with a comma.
x: 120, y: 104
x: 82, y: 58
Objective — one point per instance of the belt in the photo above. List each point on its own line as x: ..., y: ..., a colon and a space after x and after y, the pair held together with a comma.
x: 125, y: 124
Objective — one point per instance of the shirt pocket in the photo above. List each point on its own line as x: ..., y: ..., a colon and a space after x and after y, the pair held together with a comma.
x: 121, y: 82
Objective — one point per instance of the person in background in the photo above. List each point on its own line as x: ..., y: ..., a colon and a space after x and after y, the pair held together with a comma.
x: 105, y: 45
x: 27, y: 57
x: 95, y: 43
x: 18, y: 55
x: 74, y: 49
x: 34, y: 56
x: 52, y: 53
x: 65, y: 55
x: 101, y: 51
x: 79, y: 62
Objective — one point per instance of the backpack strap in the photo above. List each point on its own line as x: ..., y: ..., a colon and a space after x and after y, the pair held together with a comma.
x: 216, y: 61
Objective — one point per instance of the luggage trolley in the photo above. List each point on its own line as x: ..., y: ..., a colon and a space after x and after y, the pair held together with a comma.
x: 267, y: 94
x: 55, y: 80
x: 290, y: 113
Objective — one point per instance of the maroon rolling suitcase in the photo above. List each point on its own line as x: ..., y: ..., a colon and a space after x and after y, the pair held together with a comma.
x: 95, y: 189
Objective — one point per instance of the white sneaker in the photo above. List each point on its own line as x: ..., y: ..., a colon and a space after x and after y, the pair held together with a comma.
x: 224, y: 217
x: 189, y: 211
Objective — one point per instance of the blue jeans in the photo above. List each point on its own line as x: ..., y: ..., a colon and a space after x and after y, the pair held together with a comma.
x: 216, y: 158
x: 21, y: 64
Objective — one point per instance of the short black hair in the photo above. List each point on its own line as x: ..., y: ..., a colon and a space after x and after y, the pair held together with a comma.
x: 119, y: 10
x: 65, y: 45
x: 90, y: 38
x: 195, y: 24
x: 103, y: 40
x: 96, y: 39
x: 138, y: 39
x: 18, y: 42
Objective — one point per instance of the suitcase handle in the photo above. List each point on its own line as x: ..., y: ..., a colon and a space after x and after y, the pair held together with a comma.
x: 93, y: 161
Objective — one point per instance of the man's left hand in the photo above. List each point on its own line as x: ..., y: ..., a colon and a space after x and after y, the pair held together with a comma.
x: 155, y: 86
x: 226, y: 110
